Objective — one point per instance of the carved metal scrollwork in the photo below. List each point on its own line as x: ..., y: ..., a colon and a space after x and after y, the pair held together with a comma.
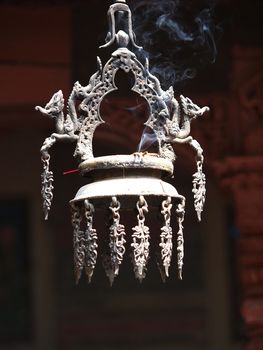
x: 166, y: 237
x: 84, y: 240
x: 79, y: 242
x: 47, y: 184
x: 180, y: 211
x: 91, y: 241
x: 141, y: 244
x: 117, y: 242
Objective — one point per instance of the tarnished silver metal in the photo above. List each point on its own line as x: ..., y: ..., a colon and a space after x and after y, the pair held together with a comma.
x: 117, y: 242
x: 84, y: 240
x: 199, y: 188
x: 180, y: 212
x: 47, y: 184
x: 166, y: 237
x: 140, y: 243
x: 121, y: 38
x: 91, y: 239
x: 126, y: 177
x: 79, y: 241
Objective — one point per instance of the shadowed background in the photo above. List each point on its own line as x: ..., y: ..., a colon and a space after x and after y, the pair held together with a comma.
x: 209, y: 51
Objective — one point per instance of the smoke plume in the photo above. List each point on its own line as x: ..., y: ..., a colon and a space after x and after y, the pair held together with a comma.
x: 178, y: 37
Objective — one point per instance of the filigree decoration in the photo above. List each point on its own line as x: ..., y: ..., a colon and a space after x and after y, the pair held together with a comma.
x: 91, y: 239
x: 79, y: 241
x: 199, y: 179
x: 180, y: 211
x: 65, y: 132
x: 67, y: 127
x: 84, y: 241
x: 166, y: 236
x: 125, y: 60
x: 140, y: 242
x: 178, y: 128
x: 199, y: 188
x: 117, y: 242
x: 47, y: 184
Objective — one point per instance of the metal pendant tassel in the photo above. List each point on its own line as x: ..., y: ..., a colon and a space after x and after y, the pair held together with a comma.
x: 117, y: 242
x: 166, y: 244
x: 91, y: 239
x: 199, y: 187
x: 47, y: 184
x: 140, y: 242
x: 180, y: 211
x: 79, y: 242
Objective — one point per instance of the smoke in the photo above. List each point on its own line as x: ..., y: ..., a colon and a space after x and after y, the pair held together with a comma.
x: 178, y: 37
x: 148, y: 140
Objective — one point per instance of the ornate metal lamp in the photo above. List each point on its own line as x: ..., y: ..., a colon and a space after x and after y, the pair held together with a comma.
x: 120, y: 182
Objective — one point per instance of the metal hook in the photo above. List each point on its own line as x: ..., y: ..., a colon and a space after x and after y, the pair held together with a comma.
x: 119, y: 6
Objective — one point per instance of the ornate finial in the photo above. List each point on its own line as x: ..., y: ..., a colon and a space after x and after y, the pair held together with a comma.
x: 121, y: 7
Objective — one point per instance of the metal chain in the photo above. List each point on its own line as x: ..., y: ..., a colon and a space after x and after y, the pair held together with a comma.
x: 142, y: 208
x: 115, y: 208
x: 166, y: 210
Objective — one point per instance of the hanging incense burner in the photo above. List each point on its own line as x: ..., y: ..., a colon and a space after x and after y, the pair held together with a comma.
x: 143, y: 181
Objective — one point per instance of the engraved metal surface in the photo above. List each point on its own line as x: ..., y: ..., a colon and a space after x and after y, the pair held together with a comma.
x: 91, y: 239
x: 166, y: 244
x: 140, y: 243
x: 169, y: 120
x: 79, y: 243
x: 117, y: 241
x: 180, y: 211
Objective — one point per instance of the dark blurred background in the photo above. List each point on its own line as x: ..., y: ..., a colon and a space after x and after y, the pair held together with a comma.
x: 46, y: 46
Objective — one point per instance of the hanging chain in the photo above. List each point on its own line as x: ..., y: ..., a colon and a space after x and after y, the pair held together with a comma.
x: 140, y: 242
x: 166, y: 236
x: 47, y: 184
x: 180, y: 211
x: 79, y: 242
x: 91, y: 239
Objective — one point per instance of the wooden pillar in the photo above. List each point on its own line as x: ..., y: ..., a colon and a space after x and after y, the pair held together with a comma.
x: 243, y: 176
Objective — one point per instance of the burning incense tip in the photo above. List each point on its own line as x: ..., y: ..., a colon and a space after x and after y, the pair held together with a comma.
x: 71, y: 172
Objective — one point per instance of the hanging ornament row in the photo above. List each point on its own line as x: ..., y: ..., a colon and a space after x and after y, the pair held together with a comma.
x: 85, y: 240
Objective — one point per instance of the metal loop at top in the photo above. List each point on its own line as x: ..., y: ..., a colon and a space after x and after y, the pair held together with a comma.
x: 142, y: 208
x: 167, y: 204
x: 45, y: 156
x: 115, y: 207
x: 119, y: 6
x: 115, y: 203
x: 89, y: 208
x: 200, y: 165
